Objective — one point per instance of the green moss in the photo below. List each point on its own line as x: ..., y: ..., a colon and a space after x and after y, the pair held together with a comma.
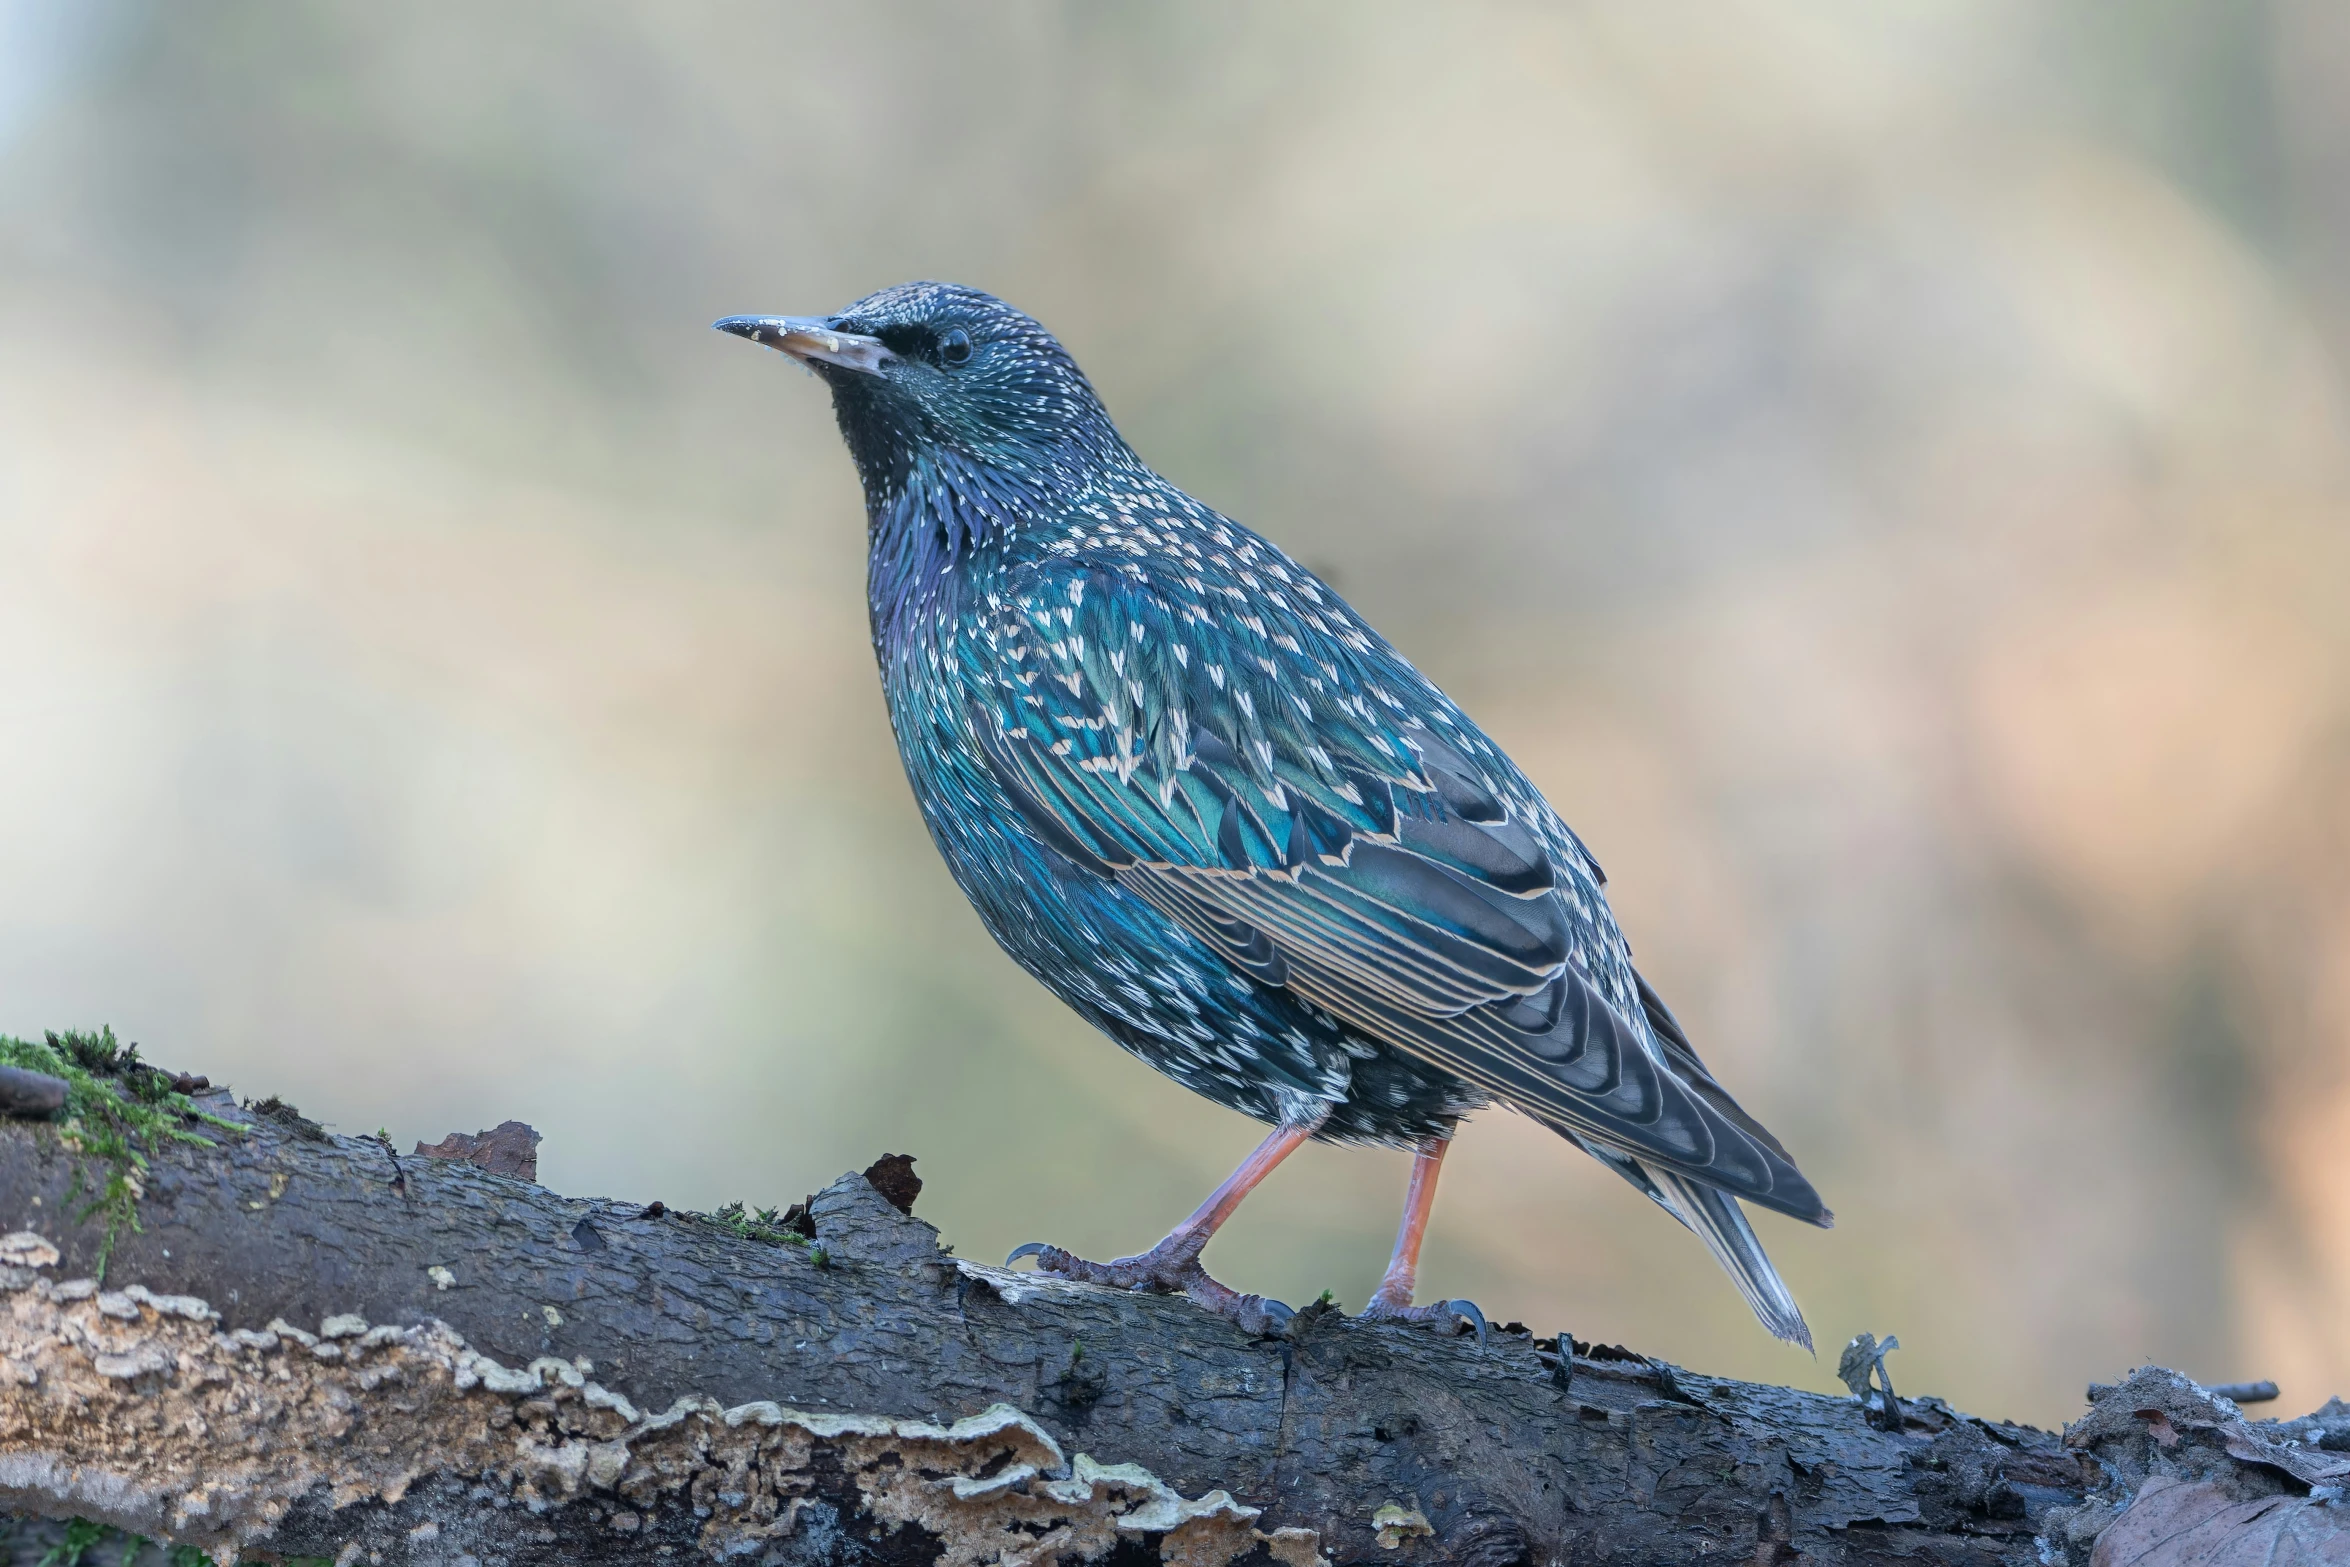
x: 118, y: 1112
x: 72, y: 1543
x: 80, y: 1538
x: 765, y: 1225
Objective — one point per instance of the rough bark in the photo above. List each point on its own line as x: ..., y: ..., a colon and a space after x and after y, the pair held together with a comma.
x: 313, y: 1347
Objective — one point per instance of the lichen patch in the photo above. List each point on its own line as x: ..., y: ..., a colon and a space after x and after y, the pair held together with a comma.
x: 140, y: 1410
x: 1396, y: 1523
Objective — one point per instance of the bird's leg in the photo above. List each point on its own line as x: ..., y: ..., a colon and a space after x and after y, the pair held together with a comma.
x: 1392, y: 1301
x: 1173, y: 1266
x: 1419, y: 1197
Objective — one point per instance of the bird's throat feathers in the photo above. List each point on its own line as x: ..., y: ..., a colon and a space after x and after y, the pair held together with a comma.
x: 923, y: 533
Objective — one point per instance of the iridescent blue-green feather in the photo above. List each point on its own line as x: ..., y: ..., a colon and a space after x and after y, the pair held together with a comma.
x: 1194, y: 794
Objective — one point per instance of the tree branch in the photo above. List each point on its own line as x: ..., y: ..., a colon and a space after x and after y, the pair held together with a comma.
x: 309, y: 1348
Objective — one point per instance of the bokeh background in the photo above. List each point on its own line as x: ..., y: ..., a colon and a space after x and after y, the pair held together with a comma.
x: 1883, y: 469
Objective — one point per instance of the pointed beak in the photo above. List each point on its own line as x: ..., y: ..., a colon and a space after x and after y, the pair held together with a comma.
x: 810, y: 341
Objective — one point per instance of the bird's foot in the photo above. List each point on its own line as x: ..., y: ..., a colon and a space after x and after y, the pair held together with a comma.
x: 1172, y: 1267
x: 1450, y: 1314
x: 1166, y: 1269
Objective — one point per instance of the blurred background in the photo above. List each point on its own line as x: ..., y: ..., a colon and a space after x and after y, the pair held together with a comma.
x: 1883, y: 469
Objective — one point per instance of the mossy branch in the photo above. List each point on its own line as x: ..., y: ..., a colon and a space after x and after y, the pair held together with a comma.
x: 322, y: 1352
x: 118, y: 1112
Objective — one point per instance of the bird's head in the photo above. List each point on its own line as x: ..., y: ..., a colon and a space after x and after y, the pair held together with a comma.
x: 932, y: 375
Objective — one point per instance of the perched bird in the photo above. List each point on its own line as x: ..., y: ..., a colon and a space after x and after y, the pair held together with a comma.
x: 1190, y: 790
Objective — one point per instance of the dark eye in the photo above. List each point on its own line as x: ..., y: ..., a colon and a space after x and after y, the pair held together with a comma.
x: 954, y: 346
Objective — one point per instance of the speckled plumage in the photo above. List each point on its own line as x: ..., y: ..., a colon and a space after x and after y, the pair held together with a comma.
x: 1195, y: 795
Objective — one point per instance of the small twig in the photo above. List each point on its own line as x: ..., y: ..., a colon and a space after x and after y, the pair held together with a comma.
x: 29, y: 1093
x: 383, y: 1140
x: 2245, y: 1392
x: 1863, y: 1359
x: 1562, y: 1375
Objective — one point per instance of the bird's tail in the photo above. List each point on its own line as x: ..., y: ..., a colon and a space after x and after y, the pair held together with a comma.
x: 1721, y: 1224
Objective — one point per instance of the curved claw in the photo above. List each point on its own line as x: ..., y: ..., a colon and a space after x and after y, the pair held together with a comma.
x: 1467, y: 1309
x: 1029, y: 1250
x: 1279, y: 1312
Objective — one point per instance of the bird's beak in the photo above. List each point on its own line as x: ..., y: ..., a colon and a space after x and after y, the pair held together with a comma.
x: 810, y: 341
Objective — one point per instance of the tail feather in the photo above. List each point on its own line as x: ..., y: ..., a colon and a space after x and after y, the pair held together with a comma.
x: 1717, y: 1220
x: 1710, y: 1212
x: 1721, y: 1224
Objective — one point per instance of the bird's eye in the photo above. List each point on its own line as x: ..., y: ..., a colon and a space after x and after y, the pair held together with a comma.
x: 954, y: 346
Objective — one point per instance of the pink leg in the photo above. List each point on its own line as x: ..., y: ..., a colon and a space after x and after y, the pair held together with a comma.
x: 1172, y: 1266
x: 1392, y: 1302
x: 1403, y: 1268
x: 1224, y: 1201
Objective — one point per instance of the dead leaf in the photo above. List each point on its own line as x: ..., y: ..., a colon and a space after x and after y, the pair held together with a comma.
x: 2305, y: 1464
x: 2175, y: 1523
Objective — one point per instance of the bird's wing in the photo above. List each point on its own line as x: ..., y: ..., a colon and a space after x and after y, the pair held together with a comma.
x: 1268, y: 787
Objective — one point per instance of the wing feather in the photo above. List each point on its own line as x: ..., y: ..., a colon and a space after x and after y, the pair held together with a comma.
x: 1337, y: 847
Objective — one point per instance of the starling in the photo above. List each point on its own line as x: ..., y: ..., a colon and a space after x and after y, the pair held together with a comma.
x: 1193, y: 793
